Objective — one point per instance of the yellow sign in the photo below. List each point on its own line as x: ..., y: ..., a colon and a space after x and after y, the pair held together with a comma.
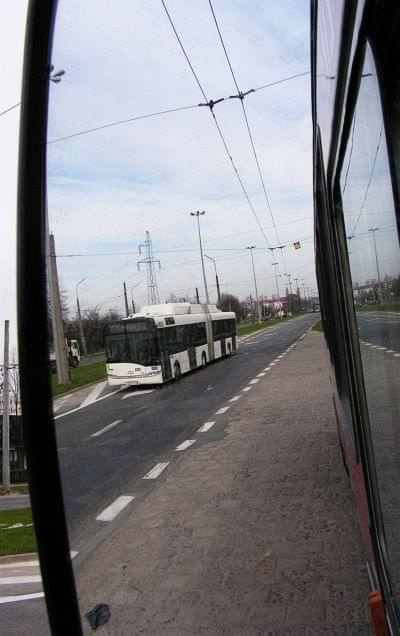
x: 297, y: 245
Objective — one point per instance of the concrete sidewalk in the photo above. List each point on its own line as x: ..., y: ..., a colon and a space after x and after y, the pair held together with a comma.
x: 252, y: 530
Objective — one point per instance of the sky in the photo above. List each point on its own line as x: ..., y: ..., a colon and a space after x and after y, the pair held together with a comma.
x: 108, y: 187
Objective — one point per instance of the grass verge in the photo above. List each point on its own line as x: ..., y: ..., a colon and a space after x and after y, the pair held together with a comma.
x: 243, y: 331
x: 318, y: 326
x: 22, y: 489
x: 385, y: 307
x: 80, y: 377
x: 17, y: 540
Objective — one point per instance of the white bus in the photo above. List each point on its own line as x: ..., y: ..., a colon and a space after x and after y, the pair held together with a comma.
x: 164, y: 341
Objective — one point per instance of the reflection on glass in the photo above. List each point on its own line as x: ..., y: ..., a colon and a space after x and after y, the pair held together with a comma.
x: 374, y: 258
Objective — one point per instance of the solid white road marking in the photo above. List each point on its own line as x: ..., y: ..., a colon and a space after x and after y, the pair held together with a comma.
x: 78, y: 408
x: 134, y: 393
x: 115, y: 508
x: 235, y: 398
x: 222, y: 410
x: 206, y: 427
x: 185, y: 444
x: 254, y: 381
x: 94, y: 394
x: 156, y: 471
x: 106, y: 428
x: 23, y: 564
x: 14, y: 580
x: 21, y: 597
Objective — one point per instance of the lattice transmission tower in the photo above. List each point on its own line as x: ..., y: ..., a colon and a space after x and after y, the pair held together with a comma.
x: 152, y: 290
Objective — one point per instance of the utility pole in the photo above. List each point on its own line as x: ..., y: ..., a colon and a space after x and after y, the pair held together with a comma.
x: 126, y: 301
x: 373, y: 230
x: 6, y: 410
x: 298, y: 294
x: 305, y: 297
x: 198, y: 214
x: 251, y: 248
x: 274, y: 265
x: 81, y: 331
x: 197, y: 296
x: 216, y: 279
x: 153, y: 297
x: 60, y: 349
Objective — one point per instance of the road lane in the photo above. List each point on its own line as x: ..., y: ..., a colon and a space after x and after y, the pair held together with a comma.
x: 380, y: 329
x: 96, y: 470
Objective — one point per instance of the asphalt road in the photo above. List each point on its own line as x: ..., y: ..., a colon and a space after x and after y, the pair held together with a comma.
x: 133, y: 431
x: 144, y: 427
x: 380, y: 328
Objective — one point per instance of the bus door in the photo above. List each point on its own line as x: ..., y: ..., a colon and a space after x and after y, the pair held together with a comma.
x: 192, y: 357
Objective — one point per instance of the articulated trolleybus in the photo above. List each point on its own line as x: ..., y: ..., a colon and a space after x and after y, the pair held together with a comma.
x: 164, y: 341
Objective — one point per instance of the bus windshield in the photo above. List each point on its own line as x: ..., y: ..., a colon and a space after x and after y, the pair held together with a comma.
x: 132, y: 342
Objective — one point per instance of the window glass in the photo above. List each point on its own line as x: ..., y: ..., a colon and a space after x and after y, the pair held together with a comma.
x: 374, y: 259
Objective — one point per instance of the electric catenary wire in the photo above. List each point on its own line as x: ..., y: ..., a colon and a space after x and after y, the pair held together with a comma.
x: 241, y: 97
x: 11, y: 108
x: 210, y: 104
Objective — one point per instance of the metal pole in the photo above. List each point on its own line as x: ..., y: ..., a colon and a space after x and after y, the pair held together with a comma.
x: 60, y: 349
x: 197, y: 296
x: 277, y: 289
x: 6, y: 412
x: 81, y: 330
x: 198, y: 214
x: 251, y: 248
x: 216, y: 278
x: 126, y: 302
x: 373, y: 230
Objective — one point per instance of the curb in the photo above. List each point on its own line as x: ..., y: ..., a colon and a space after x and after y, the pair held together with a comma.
x: 14, y: 559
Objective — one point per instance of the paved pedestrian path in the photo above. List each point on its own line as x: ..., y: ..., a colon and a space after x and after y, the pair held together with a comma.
x: 254, y: 529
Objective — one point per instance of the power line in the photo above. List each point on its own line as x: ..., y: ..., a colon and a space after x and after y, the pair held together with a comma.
x: 122, y: 121
x: 11, y: 108
x: 210, y: 104
x: 241, y: 96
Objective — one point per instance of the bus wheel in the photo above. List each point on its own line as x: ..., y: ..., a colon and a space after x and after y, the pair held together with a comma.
x: 204, y: 360
x: 177, y: 371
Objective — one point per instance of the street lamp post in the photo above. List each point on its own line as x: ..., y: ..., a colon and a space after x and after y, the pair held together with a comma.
x: 290, y: 290
x: 373, y: 230
x: 216, y: 279
x: 198, y: 214
x: 251, y: 248
x: 81, y: 331
x: 274, y: 265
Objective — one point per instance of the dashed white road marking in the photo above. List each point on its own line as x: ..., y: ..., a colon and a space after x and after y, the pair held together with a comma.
x: 156, y: 471
x: 396, y: 355
x: 222, y: 410
x: 185, y: 444
x: 106, y: 428
x: 382, y: 348
x: 135, y: 393
x: 235, y: 398
x: 115, y: 508
x: 260, y: 375
x: 21, y: 597
x: 272, y: 364
x: 94, y: 394
x: 206, y: 427
x: 254, y: 381
x: 389, y: 351
x: 247, y: 388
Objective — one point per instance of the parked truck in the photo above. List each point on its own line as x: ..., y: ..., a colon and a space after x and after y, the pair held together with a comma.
x: 73, y: 352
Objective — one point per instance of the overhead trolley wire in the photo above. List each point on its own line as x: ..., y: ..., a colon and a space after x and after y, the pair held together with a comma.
x: 241, y: 97
x: 122, y: 121
x: 210, y: 104
x: 11, y: 108
x: 369, y: 181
